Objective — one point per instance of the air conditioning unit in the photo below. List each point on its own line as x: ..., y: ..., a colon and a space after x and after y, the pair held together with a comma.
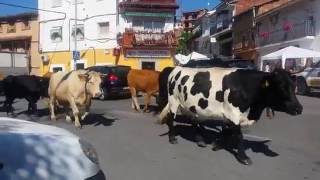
x: 45, y: 58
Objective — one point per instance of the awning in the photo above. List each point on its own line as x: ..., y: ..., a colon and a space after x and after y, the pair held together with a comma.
x: 182, y: 59
x: 291, y: 52
x: 146, y: 14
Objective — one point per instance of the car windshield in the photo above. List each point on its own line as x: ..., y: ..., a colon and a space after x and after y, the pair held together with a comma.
x: 100, y: 69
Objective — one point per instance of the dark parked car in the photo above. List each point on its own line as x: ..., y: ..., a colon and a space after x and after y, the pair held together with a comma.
x: 115, y: 81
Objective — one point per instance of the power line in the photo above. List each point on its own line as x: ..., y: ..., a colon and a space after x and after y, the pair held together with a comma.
x: 33, y: 8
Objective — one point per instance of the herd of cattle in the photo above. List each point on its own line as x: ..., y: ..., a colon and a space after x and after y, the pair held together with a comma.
x: 236, y: 97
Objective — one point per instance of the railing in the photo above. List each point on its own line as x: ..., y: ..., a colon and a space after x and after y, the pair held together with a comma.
x: 297, y: 30
x: 141, y: 38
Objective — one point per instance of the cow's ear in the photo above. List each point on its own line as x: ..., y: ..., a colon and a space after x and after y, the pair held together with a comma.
x: 83, y: 77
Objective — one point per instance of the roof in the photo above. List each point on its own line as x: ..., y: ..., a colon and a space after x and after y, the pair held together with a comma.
x: 27, y: 15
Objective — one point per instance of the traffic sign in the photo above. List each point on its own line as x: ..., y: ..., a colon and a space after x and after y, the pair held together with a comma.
x: 76, y: 55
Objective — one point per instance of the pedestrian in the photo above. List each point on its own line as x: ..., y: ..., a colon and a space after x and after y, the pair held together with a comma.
x: 269, y: 111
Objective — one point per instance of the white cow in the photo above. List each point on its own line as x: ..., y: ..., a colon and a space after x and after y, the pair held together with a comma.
x: 74, y: 90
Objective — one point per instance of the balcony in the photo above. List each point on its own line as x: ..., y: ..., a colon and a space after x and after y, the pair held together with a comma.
x: 141, y: 39
x: 148, y: 6
x: 298, y: 30
x: 221, y: 26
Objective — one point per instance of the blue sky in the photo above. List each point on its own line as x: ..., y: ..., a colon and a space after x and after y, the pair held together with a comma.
x: 186, y: 5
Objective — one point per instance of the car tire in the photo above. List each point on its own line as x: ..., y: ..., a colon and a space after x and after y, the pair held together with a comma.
x: 104, y: 94
x: 302, y: 87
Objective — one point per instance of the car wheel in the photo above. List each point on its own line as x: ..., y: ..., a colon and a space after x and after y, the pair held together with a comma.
x: 104, y: 94
x: 302, y: 87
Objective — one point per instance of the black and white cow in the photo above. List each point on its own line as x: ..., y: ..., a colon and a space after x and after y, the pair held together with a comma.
x: 235, y: 96
x: 24, y: 86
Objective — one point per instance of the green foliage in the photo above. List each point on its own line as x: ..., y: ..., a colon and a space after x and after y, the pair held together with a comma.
x: 183, y: 43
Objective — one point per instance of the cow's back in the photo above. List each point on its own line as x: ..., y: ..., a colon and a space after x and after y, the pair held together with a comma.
x: 143, y: 80
x: 22, y: 86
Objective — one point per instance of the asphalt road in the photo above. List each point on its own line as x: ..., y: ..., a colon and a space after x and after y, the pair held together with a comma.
x: 132, y: 147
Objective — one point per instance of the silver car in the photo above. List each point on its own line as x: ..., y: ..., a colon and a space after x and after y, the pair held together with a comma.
x: 34, y: 151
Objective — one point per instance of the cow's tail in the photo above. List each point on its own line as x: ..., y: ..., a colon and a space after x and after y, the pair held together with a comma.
x: 164, y: 113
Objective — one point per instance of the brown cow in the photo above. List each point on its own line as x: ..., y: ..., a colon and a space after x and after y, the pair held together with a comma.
x: 74, y: 89
x: 145, y: 81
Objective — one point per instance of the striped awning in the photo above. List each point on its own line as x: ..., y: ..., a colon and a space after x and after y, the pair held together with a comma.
x: 147, y: 14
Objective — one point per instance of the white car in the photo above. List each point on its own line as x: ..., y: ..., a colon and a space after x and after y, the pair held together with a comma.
x: 34, y: 151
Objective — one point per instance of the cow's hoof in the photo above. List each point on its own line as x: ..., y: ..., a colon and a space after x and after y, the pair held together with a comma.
x: 216, y: 146
x: 53, y: 118
x: 173, y: 140
x: 78, y: 126
x: 68, y: 119
x: 201, y: 144
x: 245, y: 161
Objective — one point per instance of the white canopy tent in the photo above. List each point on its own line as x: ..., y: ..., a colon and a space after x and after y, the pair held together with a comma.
x: 182, y: 59
x: 290, y: 52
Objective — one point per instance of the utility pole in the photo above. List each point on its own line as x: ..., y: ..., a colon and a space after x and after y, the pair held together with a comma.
x: 75, y: 33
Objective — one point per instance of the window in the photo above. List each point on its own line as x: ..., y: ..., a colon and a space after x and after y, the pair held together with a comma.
x: 103, y: 28
x: 148, y: 25
x: 56, y: 3
x: 26, y: 25
x: 11, y: 27
x: 56, y: 34
x: 80, y: 66
x: 80, y: 32
x: 56, y: 69
x: 1, y: 28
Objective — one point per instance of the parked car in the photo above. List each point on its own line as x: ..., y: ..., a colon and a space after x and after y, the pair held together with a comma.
x: 115, y: 80
x: 35, y: 151
x: 309, y: 79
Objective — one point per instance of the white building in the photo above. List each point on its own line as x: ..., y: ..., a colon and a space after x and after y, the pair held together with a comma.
x: 97, y: 30
x: 126, y: 32
x: 293, y: 24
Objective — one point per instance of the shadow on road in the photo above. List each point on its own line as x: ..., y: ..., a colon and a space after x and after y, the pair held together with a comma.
x: 314, y: 94
x: 187, y: 132
x: 97, y: 120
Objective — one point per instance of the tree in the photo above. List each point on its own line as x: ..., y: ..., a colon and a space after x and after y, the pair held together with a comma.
x: 183, y: 43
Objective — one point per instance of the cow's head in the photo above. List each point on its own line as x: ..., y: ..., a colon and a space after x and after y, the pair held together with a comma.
x: 281, y: 96
x: 93, y: 81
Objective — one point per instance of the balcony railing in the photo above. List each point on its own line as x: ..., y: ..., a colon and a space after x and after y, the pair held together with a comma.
x: 133, y: 39
x: 298, y: 30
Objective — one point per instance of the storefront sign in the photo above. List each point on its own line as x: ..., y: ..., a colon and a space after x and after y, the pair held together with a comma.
x: 148, y: 53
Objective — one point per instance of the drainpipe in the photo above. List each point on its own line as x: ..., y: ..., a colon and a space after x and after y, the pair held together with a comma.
x: 75, y: 32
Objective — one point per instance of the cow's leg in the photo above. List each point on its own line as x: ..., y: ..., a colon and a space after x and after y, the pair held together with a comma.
x: 8, y: 106
x: 87, y: 109
x: 75, y: 112
x: 199, y: 134
x: 52, y: 103
x: 171, y: 133
x: 135, y: 104
x: 147, y: 98
x: 241, y: 156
